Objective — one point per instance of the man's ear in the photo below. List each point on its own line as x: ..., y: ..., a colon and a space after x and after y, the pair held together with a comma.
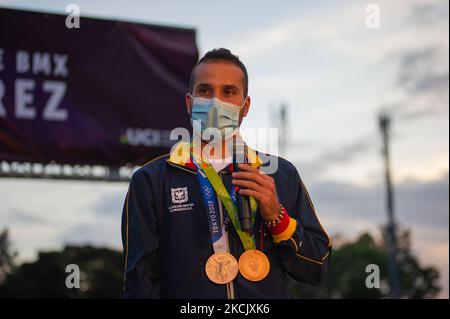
x: 188, y: 101
x: 246, y: 106
x: 245, y: 109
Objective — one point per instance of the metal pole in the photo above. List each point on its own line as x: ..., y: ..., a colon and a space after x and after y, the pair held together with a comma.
x: 283, y: 130
x: 385, y: 122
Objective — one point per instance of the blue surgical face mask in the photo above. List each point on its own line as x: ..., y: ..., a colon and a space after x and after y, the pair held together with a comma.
x: 217, y: 114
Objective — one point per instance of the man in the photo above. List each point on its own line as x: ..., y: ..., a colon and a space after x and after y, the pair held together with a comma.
x: 196, y: 225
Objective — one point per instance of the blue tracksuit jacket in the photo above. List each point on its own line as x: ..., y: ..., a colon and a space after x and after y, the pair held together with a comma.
x: 166, y: 237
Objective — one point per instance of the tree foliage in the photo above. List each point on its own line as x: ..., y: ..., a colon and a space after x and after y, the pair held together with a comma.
x: 101, y: 272
x: 347, y: 272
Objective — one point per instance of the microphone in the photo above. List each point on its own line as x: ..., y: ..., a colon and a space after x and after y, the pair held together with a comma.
x: 243, y: 201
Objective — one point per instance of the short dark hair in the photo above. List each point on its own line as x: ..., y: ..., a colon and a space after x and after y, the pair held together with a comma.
x: 223, y: 55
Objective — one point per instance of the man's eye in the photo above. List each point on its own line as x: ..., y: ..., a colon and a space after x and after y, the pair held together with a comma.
x: 229, y: 92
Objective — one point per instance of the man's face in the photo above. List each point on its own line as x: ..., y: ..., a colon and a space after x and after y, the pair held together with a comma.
x: 222, y: 80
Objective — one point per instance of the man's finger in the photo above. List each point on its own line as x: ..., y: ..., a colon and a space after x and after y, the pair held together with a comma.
x: 248, y: 168
x: 249, y: 192
x: 249, y: 176
x: 249, y: 184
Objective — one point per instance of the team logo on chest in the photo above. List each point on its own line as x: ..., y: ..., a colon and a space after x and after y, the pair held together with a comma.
x: 179, y: 195
x: 180, y: 200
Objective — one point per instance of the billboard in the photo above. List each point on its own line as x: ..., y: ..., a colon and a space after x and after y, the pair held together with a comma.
x: 106, y: 93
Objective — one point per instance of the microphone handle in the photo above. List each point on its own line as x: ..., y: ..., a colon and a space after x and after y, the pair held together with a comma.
x: 243, y: 202
x: 246, y: 221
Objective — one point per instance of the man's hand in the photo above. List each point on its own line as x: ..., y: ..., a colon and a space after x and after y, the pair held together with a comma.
x: 253, y: 182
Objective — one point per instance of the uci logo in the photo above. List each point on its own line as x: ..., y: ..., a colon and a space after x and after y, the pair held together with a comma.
x: 179, y: 195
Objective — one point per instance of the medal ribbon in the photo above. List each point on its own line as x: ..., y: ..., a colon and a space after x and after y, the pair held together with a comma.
x: 216, y: 229
x: 208, y: 176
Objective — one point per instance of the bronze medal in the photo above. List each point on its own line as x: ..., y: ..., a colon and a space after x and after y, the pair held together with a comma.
x: 221, y: 268
x: 254, y: 265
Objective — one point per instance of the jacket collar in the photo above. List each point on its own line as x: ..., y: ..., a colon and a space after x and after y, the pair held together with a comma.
x: 180, y: 155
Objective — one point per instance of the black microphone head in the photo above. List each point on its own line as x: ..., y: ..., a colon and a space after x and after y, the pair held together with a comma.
x: 239, y: 152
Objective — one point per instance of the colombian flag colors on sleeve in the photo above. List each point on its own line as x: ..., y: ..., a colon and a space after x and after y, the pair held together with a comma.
x: 284, y: 229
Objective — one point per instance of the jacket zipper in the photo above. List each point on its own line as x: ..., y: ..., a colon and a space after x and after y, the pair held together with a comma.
x: 230, y: 286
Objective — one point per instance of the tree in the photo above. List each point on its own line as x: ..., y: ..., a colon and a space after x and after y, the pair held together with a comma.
x: 100, y: 275
x: 101, y: 272
x: 7, y: 255
x: 415, y: 281
x: 347, y: 272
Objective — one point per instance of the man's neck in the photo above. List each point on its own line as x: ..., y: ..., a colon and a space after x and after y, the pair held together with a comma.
x: 222, y: 151
x: 217, y: 152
